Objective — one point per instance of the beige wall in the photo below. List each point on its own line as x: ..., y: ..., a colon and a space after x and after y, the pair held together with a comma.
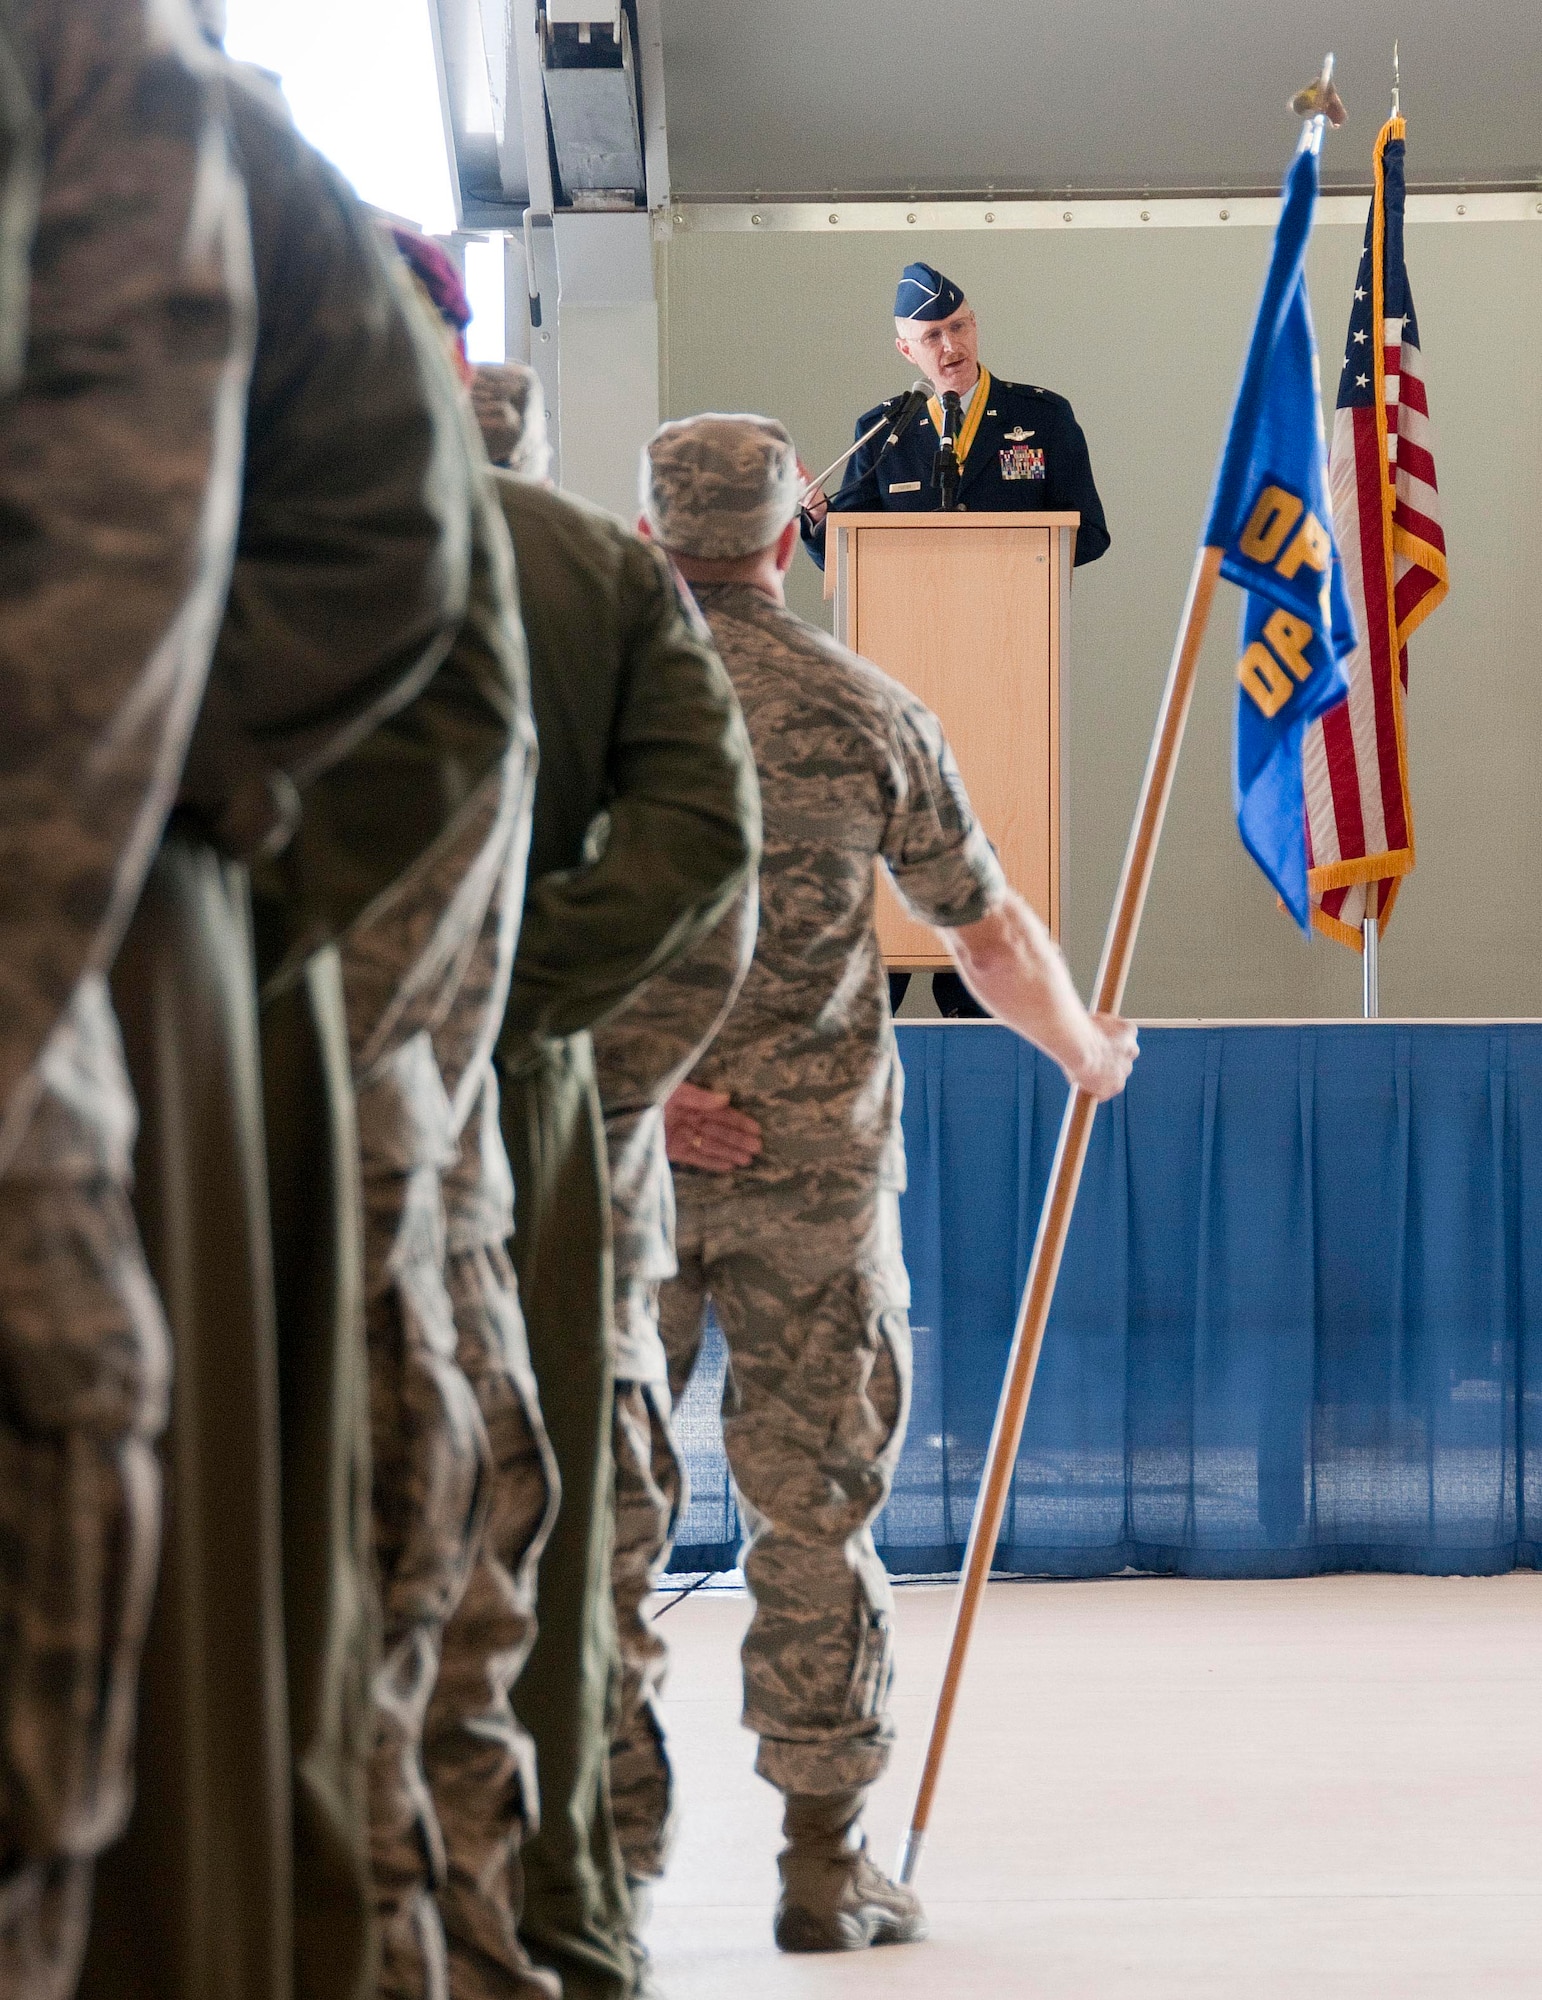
x: 1144, y: 332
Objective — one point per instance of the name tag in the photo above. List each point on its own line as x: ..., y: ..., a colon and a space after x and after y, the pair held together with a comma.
x: 906, y: 486
x: 1022, y: 461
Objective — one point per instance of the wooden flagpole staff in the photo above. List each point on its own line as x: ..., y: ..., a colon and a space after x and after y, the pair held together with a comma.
x: 1065, y: 1177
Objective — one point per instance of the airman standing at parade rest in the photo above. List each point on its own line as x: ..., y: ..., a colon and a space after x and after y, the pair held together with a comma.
x: 798, y: 1246
x: 646, y: 831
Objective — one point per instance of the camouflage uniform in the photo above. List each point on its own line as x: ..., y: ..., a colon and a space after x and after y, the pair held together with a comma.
x: 425, y: 976
x: 119, y: 462
x: 800, y: 1252
x: 641, y: 1053
x: 350, y: 585
x: 479, y: 1760
x: 645, y: 827
x: 119, y: 469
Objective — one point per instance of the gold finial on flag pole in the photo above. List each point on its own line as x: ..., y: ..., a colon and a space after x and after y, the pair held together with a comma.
x: 1319, y: 99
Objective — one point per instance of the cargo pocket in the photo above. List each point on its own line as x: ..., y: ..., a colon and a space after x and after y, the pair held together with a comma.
x: 889, y: 1389
x: 873, y: 1666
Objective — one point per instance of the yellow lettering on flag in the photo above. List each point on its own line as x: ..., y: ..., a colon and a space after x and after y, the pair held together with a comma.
x: 1264, y: 678
x: 1276, y: 513
x: 1290, y: 638
x: 1312, y: 545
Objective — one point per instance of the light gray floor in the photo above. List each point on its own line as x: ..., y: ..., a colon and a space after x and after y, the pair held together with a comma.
x: 1159, y: 1788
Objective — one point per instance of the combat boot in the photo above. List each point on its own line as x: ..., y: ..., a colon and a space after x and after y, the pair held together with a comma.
x: 834, y: 1898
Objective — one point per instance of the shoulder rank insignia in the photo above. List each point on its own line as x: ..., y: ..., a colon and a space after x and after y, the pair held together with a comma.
x: 1018, y: 435
x: 1022, y: 461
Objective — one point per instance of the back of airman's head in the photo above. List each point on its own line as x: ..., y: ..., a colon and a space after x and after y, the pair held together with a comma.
x: 511, y: 412
x: 719, y: 487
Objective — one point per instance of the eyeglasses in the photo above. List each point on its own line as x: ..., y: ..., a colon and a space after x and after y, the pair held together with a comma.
x: 946, y: 330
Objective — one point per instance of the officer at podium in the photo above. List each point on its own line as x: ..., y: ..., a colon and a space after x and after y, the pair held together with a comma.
x: 1014, y: 448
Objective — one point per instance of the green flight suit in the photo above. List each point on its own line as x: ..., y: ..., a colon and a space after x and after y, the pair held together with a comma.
x: 646, y: 824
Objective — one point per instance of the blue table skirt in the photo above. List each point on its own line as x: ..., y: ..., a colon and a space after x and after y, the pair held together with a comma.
x: 1298, y: 1326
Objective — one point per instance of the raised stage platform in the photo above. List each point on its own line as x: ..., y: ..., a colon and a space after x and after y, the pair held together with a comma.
x: 1299, y: 1323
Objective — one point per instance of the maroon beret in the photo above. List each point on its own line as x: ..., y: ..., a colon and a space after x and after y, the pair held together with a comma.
x: 438, y: 275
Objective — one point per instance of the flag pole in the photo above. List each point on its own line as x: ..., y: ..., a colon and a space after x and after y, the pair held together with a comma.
x: 1065, y: 1177
x: 1370, y: 942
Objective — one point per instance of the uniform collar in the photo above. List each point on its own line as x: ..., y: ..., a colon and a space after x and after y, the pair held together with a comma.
x: 975, y: 403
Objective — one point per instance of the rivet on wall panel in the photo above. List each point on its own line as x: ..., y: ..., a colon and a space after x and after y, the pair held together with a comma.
x: 756, y: 219
x: 1226, y: 215
x: 1145, y: 215
x: 1461, y: 208
x: 835, y: 218
x: 911, y: 218
x: 990, y: 215
x: 1066, y: 217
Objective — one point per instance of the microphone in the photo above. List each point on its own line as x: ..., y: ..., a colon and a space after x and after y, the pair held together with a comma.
x: 945, y: 468
x: 899, y: 412
x: 909, y: 407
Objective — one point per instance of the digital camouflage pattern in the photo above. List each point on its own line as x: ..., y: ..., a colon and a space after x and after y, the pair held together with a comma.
x: 413, y: 849
x: 352, y: 578
x: 479, y: 1760
x: 853, y: 769
x: 813, y: 1301
x: 119, y: 466
x: 425, y: 977
x: 800, y: 1252
x: 85, y: 1367
x: 719, y: 487
x: 641, y: 1053
x: 651, y: 1490
x: 124, y: 350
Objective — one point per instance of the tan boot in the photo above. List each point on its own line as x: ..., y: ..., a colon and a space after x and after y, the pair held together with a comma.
x: 834, y: 1898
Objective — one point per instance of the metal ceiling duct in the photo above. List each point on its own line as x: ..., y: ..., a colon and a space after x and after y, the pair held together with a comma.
x: 588, y: 67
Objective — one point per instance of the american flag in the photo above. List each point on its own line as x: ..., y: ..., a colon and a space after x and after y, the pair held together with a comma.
x: 1386, y: 516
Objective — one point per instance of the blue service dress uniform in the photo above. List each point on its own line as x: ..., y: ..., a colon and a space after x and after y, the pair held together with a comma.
x: 1021, y: 449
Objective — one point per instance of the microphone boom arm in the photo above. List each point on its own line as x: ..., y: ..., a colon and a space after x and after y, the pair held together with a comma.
x: 892, y: 417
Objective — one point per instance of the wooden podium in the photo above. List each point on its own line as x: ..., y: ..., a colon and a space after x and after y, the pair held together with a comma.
x: 972, y: 613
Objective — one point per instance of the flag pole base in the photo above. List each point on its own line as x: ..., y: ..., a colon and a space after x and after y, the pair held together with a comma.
x: 910, y: 1856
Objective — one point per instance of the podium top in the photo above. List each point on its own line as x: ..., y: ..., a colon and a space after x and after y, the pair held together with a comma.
x: 895, y: 517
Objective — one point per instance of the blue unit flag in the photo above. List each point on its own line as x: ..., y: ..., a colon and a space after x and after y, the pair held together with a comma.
x: 1273, y: 519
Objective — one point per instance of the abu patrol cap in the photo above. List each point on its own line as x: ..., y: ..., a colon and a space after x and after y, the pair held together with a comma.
x: 718, y: 487
x: 924, y: 293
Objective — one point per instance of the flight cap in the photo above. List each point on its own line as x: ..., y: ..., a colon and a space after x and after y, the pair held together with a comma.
x: 719, y: 487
